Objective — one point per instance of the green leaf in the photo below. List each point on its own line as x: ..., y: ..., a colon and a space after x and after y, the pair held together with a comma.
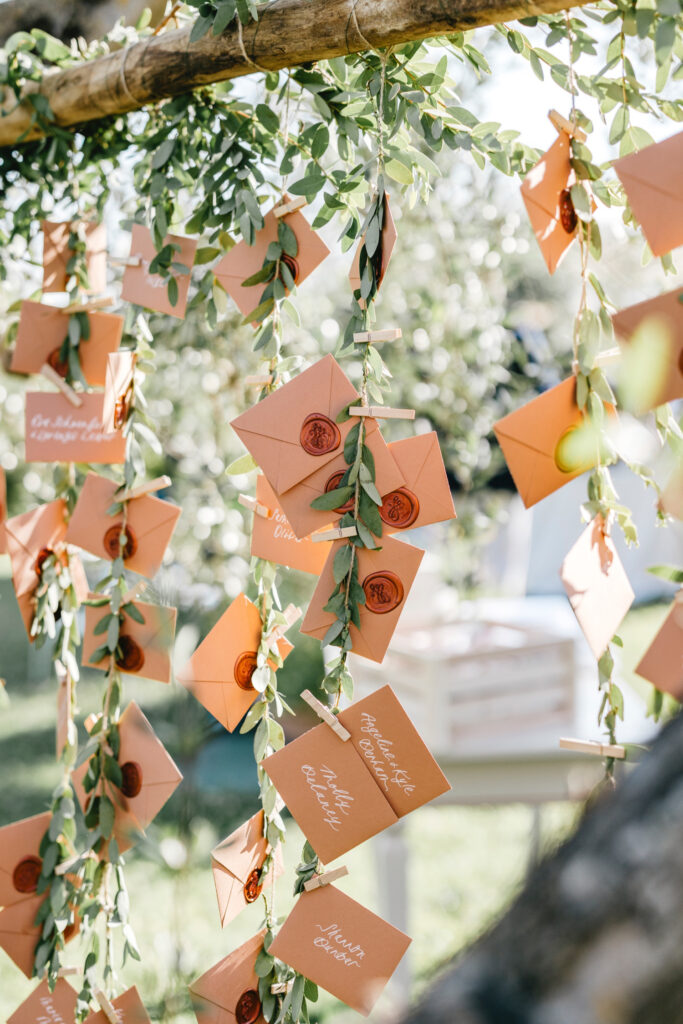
x: 245, y: 464
x: 342, y: 563
x: 200, y: 28
x: 398, y: 172
x: 106, y: 816
x: 333, y: 632
x: 667, y: 572
x: 332, y: 499
x: 163, y: 153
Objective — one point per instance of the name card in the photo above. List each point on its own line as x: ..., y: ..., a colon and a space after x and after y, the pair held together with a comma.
x: 55, y: 431
x: 45, y: 1007
x: 275, y: 540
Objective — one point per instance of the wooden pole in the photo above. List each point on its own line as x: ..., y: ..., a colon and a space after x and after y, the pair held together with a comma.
x: 288, y: 33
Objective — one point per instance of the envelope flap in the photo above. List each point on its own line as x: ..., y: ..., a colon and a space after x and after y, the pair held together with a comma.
x: 41, y: 527
x: 541, y: 422
x: 19, y: 846
x: 238, y: 631
x: 224, y: 983
x: 589, y: 560
x: 19, y: 918
x: 666, y: 308
x: 656, y: 167
x: 244, y: 849
x: 141, y: 746
x: 546, y: 180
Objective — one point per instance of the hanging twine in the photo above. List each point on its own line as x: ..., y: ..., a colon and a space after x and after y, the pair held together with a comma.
x: 353, y: 17
x: 248, y: 59
x: 124, y: 84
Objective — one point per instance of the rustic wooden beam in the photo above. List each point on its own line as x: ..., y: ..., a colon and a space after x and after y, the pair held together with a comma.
x: 288, y: 33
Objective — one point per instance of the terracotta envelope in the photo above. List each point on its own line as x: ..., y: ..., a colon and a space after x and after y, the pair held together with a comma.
x: 597, y: 586
x: 671, y: 500
x: 425, y: 496
x: 45, y: 1007
x: 150, y: 290
x: 652, y: 181
x: 19, y: 934
x: 56, y: 255
x: 3, y: 511
x: 662, y: 663
x: 338, y: 944
x: 228, y: 992
x: 150, y: 524
x: 146, y: 646
x: 219, y: 672
x: 242, y: 261
x: 56, y: 431
x: 275, y: 540
x: 664, y: 314
x: 236, y: 865
x: 118, y: 390
x: 20, y: 862
x: 386, y: 576
x: 129, y: 1010
x: 389, y: 236
x: 42, y: 329
x: 542, y: 194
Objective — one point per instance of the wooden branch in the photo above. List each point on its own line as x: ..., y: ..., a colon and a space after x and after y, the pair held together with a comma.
x: 287, y: 34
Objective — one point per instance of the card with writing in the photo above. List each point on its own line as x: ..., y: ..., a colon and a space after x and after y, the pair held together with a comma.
x: 148, y: 289
x: 425, y: 496
x: 228, y: 992
x: 652, y: 181
x: 338, y: 944
x: 382, y: 255
x: 661, y: 317
x: 57, y: 254
x: 547, y: 197
x: 275, y: 540
x: 20, y: 861
x: 237, y: 863
x: 45, y: 1007
x: 42, y: 331
x: 129, y: 1009
x: 118, y: 390
x: 3, y: 511
x: 19, y: 934
x: 56, y: 431
x: 144, y: 648
x: 662, y: 663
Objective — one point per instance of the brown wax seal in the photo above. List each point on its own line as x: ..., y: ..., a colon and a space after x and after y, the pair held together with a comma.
x: 112, y: 545
x: 568, y: 218
x: 70, y: 931
x: 252, y: 889
x: 248, y: 1007
x: 132, y: 779
x: 332, y: 484
x: 43, y: 555
x: 292, y: 265
x: 383, y: 591
x: 399, y: 508
x: 58, y: 364
x: 319, y: 435
x: 26, y: 874
x: 132, y: 657
x: 244, y: 669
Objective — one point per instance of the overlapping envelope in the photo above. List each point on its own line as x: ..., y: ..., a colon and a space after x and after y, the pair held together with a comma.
x: 150, y: 523
x: 652, y: 181
x: 671, y: 501
x: 597, y: 585
x: 30, y: 537
x: 386, y: 575
x: 56, y: 431
x: 20, y: 861
x: 129, y: 1009
x: 341, y: 946
x: 56, y: 255
x: 389, y: 236
x: 537, y: 442
x: 228, y: 992
x: 662, y: 663
x: 342, y: 793
x: 425, y: 496
x: 236, y: 865
x: 663, y: 316
x: 242, y: 261
x: 144, y: 647
x: 19, y: 934
x: 150, y: 290
x: 42, y: 330
x: 274, y: 539
x: 56, y: 1007
x: 219, y: 672
x: 545, y: 195
x: 118, y: 390
x: 3, y: 511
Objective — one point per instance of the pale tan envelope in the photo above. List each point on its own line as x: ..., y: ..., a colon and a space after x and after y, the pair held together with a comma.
x: 117, y: 390
x: 19, y: 934
x: 58, y: 432
x: 150, y: 290
x: 45, y: 1007
x: 662, y: 663
x: 541, y: 191
x: 20, y: 861
x: 664, y: 313
x: 228, y: 992
x: 154, y: 637
x: 275, y: 540
x: 56, y: 256
x: 42, y: 329
x: 129, y: 1010
x: 428, y: 498
x: 652, y: 181
x: 236, y: 865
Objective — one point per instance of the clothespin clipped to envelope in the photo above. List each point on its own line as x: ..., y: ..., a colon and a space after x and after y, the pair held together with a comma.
x: 125, y: 261
x: 134, y: 592
x: 592, y: 747
x: 67, y: 972
x: 251, y: 503
x: 88, y: 304
x: 291, y: 614
x: 563, y: 125
x: 382, y: 412
x: 107, y: 1008
x: 326, y: 715
x: 158, y: 484
x: 318, y: 881
x: 335, y: 534
x: 605, y: 358
x: 259, y: 379
x: 373, y: 337
x: 282, y: 987
x: 294, y: 204
x: 50, y: 374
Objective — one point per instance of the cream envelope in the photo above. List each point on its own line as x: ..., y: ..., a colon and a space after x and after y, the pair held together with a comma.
x: 228, y: 992
x: 597, y: 586
x: 386, y: 576
x: 219, y: 672
x: 274, y: 539
x: 425, y: 496
x: 236, y: 865
x: 389, y: 236
x: 3, y: 511
x: 653, y: 185
x: 45, y: 1007
x: 663, y: 314
x: 56, y: 255
x: 293, y: 432
x: 341, y: 946
x: 118, y: 390
x: 42, y: 330
x: 662, y: 663
x: 242, y: 261
x: 20, y: 862
x: 19, y: 934
x: 129, y: 1009
x: 150, y: 523
x: 56, y: 431
x: 150, y: 290
x: 144, y: 647
x: 542, y: 191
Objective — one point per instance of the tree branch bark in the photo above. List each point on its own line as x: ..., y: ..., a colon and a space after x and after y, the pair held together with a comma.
x: 288, y: 33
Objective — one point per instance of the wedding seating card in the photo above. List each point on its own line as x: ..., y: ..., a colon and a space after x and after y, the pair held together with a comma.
x: 425, y: 497
x: 151, y: 290
x: 659, y: 319
x: 56, y: 255
x: 118, y: 390
x: 274, y: 539
x: 45, y: 1007
x: 19, y: 934
x: 237, y: 864
x: 547, y: 197
x: 20, y: 861
x: 42, y: 331
x: 652, y: 181
x: 144, y: 648
x: 56, y: 431
x: 129, y: 1009
x: 662, y: 663
x: 229, y: 991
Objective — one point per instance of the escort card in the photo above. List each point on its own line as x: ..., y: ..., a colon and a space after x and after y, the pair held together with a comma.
x: 57, y: 431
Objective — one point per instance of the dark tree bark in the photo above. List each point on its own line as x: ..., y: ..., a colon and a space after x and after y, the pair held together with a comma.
x: 67, y: 19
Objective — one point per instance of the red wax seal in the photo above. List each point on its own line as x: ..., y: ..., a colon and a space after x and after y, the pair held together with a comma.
x: 43, y: 555
x: 292, y: 265
x: 252, y: 889
x: 26, y: 874
x: 244, y: 669
x: 332, y: 484
x: 111, y: 543
x: 568, y: 218
x: 383, y: 591
x: 132, y: 779
x: 248, y: 1007
x: 131, y: 657
x: 319, y: 435
x: 58, y: 364
x: 399, y: 508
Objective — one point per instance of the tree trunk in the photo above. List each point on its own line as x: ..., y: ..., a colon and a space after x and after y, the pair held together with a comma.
x: 67, y: 19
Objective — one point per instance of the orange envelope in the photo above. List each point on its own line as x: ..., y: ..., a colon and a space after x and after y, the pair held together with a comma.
x: 652, y: 182
x: 149, y: 526
x: 20, y: 862
x: 386, y: 576
x: 19, y: 934
x: 662, y: 663
x: 545, y: 195
x: 42, y: 330
x: 338, y: 944
x: 144, y: 647
x: 228, y: 992
x: 56, y: 431
x: 389, y: 236
x: 242, y: 261
x: 129, y: 1010
x: 426, y: 495
x: 597, y: 586
x: 666, y: 314
x: 118, y: 390
x: 56, y: 255
x: 219, y: 672
x: 150, y: 290
x: 45, y: 1007
x: 274, y: 539
x: 150, y: 777
x: 3, y: 511
x: 237, y: 863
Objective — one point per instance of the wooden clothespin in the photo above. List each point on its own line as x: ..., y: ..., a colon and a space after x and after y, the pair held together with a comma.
x: 84, y: 307
x: 67, y: 972
x: 65, y: 867
x: 158, y: 484
x: 373, y: 337
x: 50, y: 374
x: 291, y: 614
x: 107, y: 1008
x: 248, y: 502
x: 91, y: 721
x: 605, y: 358
x: 563, y: 125
x: 258, y: 379
x: 282, y: 987
x: 125, y: 261
x: 134, y: 592
x: 294, y: 204
x: 335, y: 534
x: 328, y: 718
x: 318, y: 881
x: 592, y: 747
x: 382, y: 412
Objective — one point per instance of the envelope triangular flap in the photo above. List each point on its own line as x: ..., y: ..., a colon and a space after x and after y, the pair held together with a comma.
x: 662, y: 663
x: 27, y: 534
x: 19, y: 840
x: 57, y: 1007
x: 541, y: 422
x: 652, y: 180
x: 19, y: 934
x: 243, y: 849
x: 421, y: 463
x: 238, y: 630
x: 160, y: 774
x: 546, y: 180
x: 666, y: 307
x: 592, y: 554
x: 224, y: 983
